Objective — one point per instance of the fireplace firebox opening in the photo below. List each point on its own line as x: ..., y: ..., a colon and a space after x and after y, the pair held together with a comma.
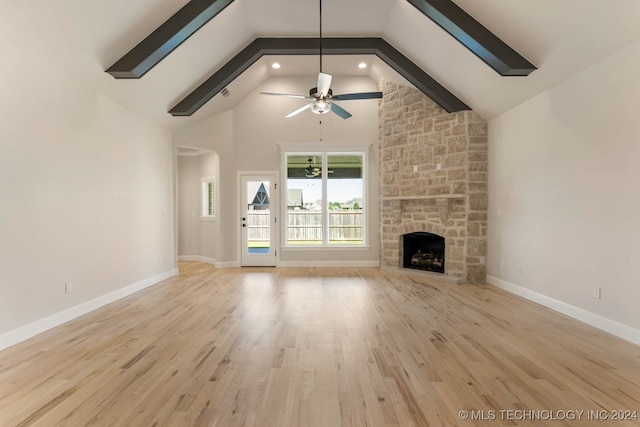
x: 423, y: 251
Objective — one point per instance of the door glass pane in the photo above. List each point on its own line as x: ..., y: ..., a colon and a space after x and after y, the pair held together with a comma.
x: 258, y: 218
x: 304, y: 199
x: 345, y: 189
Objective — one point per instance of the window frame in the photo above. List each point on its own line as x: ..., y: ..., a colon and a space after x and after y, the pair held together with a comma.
x: 325, y: 150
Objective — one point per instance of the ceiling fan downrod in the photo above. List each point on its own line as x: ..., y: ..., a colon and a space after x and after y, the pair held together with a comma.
x: 320, y: 35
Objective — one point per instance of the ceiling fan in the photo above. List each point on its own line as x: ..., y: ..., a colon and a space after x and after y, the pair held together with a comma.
x: 312, y: 171
x: 322, y: 95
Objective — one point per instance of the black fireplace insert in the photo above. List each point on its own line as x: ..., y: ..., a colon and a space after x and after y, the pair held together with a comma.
x: 423, y: 251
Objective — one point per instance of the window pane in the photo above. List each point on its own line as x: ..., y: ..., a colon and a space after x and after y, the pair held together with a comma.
x: 210, y: 210
x: 258, y: 217
x: 304, y: 199
x: 345, y: 189
x: 208, y: 198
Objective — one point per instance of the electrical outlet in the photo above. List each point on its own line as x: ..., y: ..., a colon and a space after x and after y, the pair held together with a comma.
x: 483, y: 260
x: 415, y: 168
x: 439, y: 166
x: 597, y: 292
x: 519, y: 269
x: 67, y: 288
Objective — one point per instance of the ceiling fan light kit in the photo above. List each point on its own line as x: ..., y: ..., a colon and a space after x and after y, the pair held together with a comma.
x: 322, y: 95
x: 320, y: 107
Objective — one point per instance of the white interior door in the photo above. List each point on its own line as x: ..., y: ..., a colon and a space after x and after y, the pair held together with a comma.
x: 258, y: 207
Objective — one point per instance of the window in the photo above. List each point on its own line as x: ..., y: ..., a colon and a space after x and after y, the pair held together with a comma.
x: 208, y: 198
x: 325, y: 199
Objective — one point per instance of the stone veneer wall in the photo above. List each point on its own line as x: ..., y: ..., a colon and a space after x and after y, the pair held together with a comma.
x: 451, y: 202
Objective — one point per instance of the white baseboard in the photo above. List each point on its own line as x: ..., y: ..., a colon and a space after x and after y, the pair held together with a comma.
x: 197, y: 258
x: 611, y: 326
x: 212, y: 261
x: 328, y: 264
x: 28, y: 331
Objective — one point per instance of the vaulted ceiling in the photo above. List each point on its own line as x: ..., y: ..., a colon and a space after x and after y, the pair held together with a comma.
x: 87, y: 38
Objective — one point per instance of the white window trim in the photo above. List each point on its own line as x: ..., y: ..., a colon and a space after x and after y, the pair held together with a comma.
x: 204, y: 199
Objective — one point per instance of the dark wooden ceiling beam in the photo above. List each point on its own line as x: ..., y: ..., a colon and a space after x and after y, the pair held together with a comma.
x: 309, y: 46
x: 475, y: 37
x: 166, y: 38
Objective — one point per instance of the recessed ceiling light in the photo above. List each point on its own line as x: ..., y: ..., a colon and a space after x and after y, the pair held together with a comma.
x: 275, y: 65
x: 362, y: 65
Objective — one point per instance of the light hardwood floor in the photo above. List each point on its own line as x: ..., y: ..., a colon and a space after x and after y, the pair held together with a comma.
x: 317, y: 347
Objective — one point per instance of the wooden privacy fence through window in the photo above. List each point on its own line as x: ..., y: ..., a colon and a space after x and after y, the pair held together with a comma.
x: 344, y: 226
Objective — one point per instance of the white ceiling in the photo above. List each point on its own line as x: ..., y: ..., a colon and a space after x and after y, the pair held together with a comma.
x: 84, y: 38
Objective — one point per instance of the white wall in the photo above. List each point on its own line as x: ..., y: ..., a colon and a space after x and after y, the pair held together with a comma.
x: 208, y: 167
x: 198, y: 237
x: 86, y: 194
x: 216, y: 134
x: 563, y: 195
x: 258, y: 126
x: 188, y: 206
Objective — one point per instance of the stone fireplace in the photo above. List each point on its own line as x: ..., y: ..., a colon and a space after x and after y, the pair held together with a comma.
x: 433, y: 167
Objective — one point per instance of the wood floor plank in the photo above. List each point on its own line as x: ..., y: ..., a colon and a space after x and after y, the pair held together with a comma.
x: 316, y: 347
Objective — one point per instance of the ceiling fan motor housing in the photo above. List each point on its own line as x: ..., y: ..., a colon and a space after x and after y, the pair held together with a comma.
x: 314, y: 92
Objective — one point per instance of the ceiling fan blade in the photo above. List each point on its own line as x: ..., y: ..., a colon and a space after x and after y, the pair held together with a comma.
x: 361, y: 95
x: 324, y: 83
x: 340, y: 111
x: 299, y: 110
x: 289, y: 95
